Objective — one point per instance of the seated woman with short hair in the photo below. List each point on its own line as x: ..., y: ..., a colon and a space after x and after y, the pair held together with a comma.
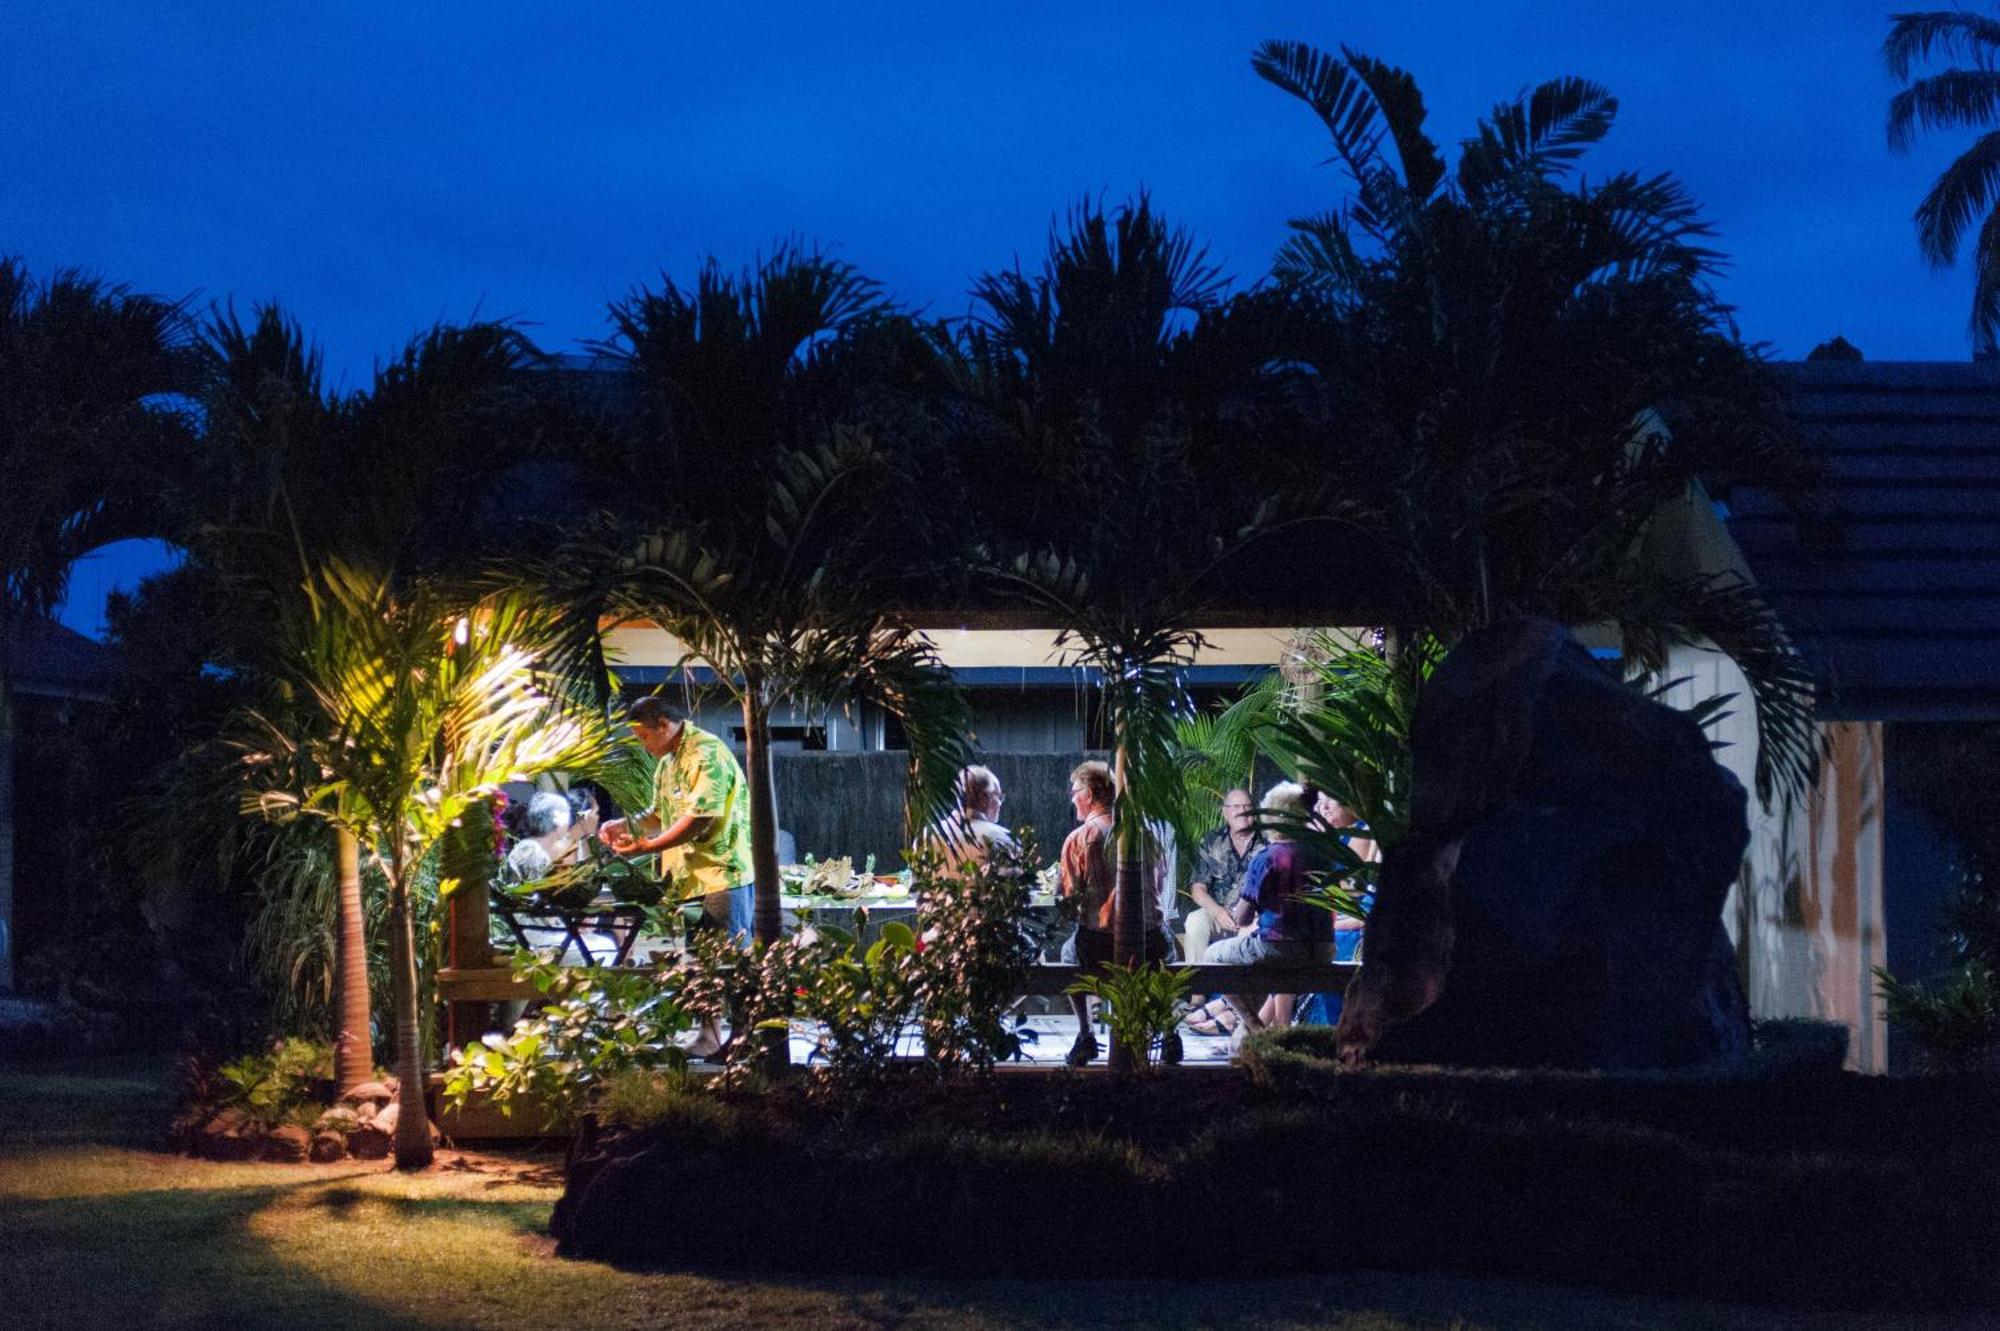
x: 1276, y: 924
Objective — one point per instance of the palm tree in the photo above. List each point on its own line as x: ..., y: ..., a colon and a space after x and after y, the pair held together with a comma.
x: 759, y: 416
x: 1118, y: 396
x: 295, y: 476
x: 86, y: 429
x: 1519, y: 370
x: 426, y: 706
x: 1964, y: 95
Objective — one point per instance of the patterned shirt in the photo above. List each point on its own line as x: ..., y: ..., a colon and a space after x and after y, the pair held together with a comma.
x: 701, y: 777
x: 1217, y: 864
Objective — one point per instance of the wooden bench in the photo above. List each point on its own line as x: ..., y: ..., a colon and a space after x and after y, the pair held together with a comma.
x: 497, y: 984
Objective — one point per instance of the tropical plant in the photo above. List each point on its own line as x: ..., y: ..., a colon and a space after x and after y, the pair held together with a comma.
x: 594, y: 1027
x: 1954, y: 1019
x: 88, y: 427
x: 758, y: 417
x: 864, y: 998
x: 1120, y: 378
x: 276, y: 499
x: 1519, y: 369
x: 288, y: 1083
x: 976, y: 952
x: 1965, y: 94
x: 1142, y: 1004
x: 423, y: 706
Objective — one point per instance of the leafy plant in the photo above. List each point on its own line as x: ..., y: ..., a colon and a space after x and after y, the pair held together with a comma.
x: 975, y: 952
x: 865, y: 999
x: 1143, y: 1002
x: 596, y: 1026
x: 1955, y: 1019
x: 274, y: 1088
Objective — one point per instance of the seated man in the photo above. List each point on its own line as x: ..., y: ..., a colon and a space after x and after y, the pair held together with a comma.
x: 1218, y: 879
x: 1276, y: 924
x: 972, y: 832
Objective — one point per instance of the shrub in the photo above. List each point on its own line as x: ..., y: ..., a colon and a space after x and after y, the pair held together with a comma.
x: 975, y: 955
x: 596, y: 1025
x: 1955, y: 1019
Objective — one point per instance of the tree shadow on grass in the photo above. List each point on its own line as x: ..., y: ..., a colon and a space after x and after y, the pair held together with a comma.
x: 170, y: 1257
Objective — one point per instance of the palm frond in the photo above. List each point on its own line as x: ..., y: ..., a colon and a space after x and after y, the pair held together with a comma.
x: 1962, y: 193
x: 1946, y: 34
x: 1536, y: 135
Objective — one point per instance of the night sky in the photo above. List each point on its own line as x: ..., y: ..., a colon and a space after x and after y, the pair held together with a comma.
x: 378, y: 167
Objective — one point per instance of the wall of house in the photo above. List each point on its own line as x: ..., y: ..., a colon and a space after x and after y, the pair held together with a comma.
x: 1806, y: 914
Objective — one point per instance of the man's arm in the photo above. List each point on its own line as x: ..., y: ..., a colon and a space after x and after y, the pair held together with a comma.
x: 689, y: 827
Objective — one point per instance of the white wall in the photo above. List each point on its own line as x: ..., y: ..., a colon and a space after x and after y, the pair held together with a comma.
x: 1806, y: 913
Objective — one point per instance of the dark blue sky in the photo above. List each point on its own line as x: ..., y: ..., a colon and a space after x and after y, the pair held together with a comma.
x: 381, y: 166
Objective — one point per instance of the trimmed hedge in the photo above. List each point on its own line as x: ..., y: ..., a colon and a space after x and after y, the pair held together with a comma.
x: 1572, y: 1179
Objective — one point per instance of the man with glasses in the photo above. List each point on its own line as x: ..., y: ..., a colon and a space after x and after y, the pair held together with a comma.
x: 1218, y: 872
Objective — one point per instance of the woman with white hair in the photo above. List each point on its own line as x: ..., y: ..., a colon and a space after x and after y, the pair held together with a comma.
x: 555, y: 831
x: 1276, y: 925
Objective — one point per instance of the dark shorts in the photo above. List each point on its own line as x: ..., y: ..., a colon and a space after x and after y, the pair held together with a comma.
x: 1094, y: 948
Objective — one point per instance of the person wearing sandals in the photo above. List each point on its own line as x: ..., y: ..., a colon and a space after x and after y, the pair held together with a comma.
x: 1088, y: 877
x: 1218, y: 879
x: 1276, y: 925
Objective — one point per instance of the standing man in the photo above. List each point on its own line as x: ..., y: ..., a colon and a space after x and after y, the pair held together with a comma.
x: 699, y: 825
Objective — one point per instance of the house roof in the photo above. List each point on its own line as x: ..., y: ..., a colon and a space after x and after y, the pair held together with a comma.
x: 54, y: 661
x: 1901, y: 618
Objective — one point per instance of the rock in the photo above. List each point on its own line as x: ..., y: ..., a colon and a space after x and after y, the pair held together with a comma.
x: 287, y: 1145
x: 341, y: 1119
x: 371, y: 1092
x: 327, y: 1147
x: 229, y: 1135
x: 1557, y: 899
x: 368, y: 1142
x: 388, y: 1116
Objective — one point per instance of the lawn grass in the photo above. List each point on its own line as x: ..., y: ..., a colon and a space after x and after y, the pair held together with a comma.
x: 100, y: 1229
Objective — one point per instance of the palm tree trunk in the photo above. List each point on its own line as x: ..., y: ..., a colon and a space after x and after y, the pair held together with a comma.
x: 6, y: 817
x: 763, y: 811
x: 776, y: 1052
x: 353, y: 1042
x: 413, y: 1125
x: 1128, y: 909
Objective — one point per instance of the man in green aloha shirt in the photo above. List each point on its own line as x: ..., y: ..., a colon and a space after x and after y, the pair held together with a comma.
x: 699, y: 823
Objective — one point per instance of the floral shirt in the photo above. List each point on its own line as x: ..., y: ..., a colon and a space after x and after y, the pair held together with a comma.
x: 702, y: 777
x: 1217, y: 864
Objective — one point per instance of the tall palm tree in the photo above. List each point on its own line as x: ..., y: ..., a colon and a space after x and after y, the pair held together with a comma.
x: 759, y: 417
x: 1120, y: 400
x: 87, y: 427
x: 426, y: 706
x: 294, y: 477
x: 1963, y: 95
x: 1519, y: 369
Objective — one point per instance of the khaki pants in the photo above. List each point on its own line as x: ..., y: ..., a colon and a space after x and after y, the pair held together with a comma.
x: 1199, y: 930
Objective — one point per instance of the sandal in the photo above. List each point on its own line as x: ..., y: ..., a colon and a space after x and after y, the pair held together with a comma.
x: 1213, y: 1018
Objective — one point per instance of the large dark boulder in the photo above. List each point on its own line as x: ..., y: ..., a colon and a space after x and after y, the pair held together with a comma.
x: 1558, y: 898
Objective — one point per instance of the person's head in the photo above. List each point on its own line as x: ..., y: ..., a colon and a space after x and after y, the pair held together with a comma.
x: 1285, y: 802
x: 979, y: 792
x: 548, y: 812
x: 1331, y: 811
x: 1238, y: 812
x: 1091, y: 789
x: 656, y: 723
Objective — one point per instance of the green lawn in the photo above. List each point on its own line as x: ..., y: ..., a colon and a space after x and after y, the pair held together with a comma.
x: 101, y: 1229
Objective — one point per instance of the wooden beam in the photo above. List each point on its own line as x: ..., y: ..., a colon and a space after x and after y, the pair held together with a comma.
x: 497, y: 984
